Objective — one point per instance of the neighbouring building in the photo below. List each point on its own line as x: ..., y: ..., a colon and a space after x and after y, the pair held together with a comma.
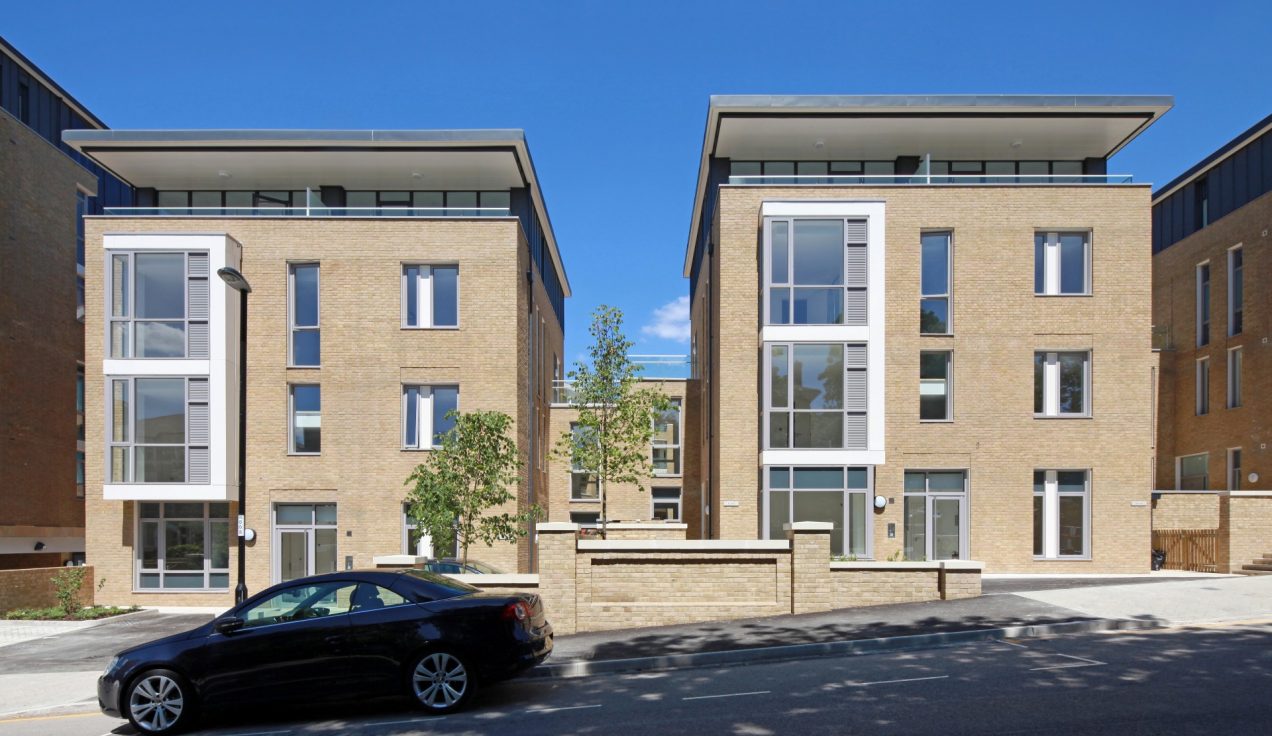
x: 926, y: 319
x: 45, y: 189
x: 395, y: 275
x: 1211, y: 268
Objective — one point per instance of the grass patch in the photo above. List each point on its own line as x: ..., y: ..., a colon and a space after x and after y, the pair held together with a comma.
x: 88, y: 613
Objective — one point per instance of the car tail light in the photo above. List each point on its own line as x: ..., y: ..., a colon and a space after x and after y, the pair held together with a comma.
x: 519, y: 611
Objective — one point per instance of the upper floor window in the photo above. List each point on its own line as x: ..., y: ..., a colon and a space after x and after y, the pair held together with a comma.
x: 816, y: 396
x: 584, y: 485
x: 1234, y: 377
x: 934, y: 385
x: 1203, y: 386
x: 158, y: 305
x: 1062, y: 264
x: 666, y: 440
x: 81, y: 209
x: 934, y: 299
x: 302, y: 314
x: 159, y: 430
x: 453, y: 204
x: 306, y: 419
x: 1203, y: 304
x: 430, y: 296
x: 1062, y: 383
x: 424, y: 410
x: 816, y: 270
x: 1236, y: 291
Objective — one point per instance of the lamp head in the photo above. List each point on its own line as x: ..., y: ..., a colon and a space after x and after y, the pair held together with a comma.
x: 235, y: 279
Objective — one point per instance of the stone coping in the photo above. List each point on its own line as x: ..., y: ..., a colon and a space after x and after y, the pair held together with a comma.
x: 809, y: 526
x: 645, y: 525
x: 683, y: 545
x: 500, y: 579
x: 968, y: 565
x: 405, y: 560
x: 556, y: 526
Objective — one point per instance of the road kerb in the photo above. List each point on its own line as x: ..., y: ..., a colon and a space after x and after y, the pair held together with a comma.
x: 849, y: 647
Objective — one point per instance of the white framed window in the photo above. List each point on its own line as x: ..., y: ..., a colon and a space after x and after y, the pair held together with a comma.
x: 936, y: 267
x: 815, y: 271
x: 305, y: 540
x: 815, y: 396
x: 1236, y: 290
x: 1203, y: 386
x: 182, y: 546
x: 666, y: 440
x: 1234, y: 468
x: 666, y: 503
x: 304, y: 407
x: 584, y: 485
x: 424, y: 410
x: 839, y: 495
x: 1193, y: 472
x: 936, y: 515
x: 430, y: 296
x: 1062, y: 263
x: 158, y: 304
x: 1203, y: 304
x: 304, y: 343
x: 159, y: 430
x: 1235, y: 360
x: 1062, y: 384
x: 1061, y: 514
x: 935, y: 382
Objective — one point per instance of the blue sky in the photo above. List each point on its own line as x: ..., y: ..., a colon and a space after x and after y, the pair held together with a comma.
x: 613, y: 96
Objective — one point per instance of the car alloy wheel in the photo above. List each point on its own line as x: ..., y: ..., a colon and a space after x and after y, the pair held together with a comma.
x: 156, y: 702
x: 441, y: 682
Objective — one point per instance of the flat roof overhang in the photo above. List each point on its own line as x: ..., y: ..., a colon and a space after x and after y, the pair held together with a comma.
x: 290, y: 160
x: 948, y: 127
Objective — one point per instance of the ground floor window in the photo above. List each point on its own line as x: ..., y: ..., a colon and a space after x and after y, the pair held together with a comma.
x: 935, y: 515
x: 417, y: 542
x: 834, y: 494
x: 666, y: 503
x: 304, y: 540
x: 183, y: 546
x: 1061, y: 509
x: 588, y: 521
x: 1193, y: 472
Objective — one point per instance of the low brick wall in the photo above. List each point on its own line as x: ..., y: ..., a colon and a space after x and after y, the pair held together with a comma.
x: 1245, y: 529
x: 1185, y: 510
x: 33, y: 588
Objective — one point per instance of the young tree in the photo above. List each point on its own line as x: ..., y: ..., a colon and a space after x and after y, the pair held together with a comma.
x: 467, y: 476
x: 615, y: 417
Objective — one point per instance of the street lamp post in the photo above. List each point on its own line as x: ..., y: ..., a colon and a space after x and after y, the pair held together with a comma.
x: 235, y: 280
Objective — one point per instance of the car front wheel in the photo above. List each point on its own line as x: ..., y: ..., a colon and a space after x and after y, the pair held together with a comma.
x: 441, y: 682
x: 159, y: 702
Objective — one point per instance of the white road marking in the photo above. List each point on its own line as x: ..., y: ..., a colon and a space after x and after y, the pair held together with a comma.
x: 1012, y: 644
x: 728, y: 695
x: 1082, y: 662
x: 567, y: 707
x: 908, y: 679
x: 430, y: 719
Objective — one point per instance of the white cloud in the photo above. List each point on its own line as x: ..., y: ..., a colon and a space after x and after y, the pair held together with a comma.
x: 671, y: 321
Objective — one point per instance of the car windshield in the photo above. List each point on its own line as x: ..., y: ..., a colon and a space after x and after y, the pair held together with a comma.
x: 451, y: 587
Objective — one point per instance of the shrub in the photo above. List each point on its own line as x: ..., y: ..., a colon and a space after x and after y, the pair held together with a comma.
x: 67, y: 583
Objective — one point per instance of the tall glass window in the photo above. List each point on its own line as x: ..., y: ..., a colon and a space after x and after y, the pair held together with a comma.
x: 584, y: 484
x: 1236, y: 291
x: 1234, y: 377
x: 424, y: 412
x: 934, y: 302
x: 159, y: 430
x: 303, y: 314
x: 835, y: 494
x: 158, y: 305
x: 1203, y: 304
x: 806, y: 396
x: 816, y: 271
x: 1203, y: 386
x: 934, y: 385
x: 1061, y: 509
x: 183, y: 546
x: 666, y: 440
x: 430, y: 296
x: 306, y: 419
x: 935, y: 515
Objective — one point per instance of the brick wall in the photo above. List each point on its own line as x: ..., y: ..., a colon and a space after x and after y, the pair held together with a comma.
x: 33, y: 588
x: 1246, y: 525
x: 1186, y: 511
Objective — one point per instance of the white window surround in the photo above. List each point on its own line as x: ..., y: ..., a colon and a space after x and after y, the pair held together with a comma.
x: 873, y: 333
x: 221, y: 367
x: 1051, y: 515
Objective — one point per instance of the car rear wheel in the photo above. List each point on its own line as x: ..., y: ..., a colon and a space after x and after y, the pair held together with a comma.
x: 441, y: 681
x: 159, y: 702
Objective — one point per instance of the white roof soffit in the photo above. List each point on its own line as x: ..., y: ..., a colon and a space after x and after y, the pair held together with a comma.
x: 294, y: 160
x: 951, y: 127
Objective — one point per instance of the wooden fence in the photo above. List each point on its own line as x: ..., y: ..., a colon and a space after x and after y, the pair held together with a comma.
x: 1187, y: 549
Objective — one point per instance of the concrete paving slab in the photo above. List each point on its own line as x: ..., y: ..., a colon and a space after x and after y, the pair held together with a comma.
x: 90, y: 647
x: 1181, y: 602
x: 37, y: 692
x: 16, y: 632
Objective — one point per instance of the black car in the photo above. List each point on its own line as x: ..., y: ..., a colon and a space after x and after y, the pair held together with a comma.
x: 342, y: 635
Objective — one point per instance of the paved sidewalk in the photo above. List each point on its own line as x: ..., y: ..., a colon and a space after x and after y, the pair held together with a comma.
x: 16, y: 632
x: 1208, y: 600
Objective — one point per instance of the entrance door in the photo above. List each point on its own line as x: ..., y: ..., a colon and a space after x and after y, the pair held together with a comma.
x: 935, y: 515
x: 304, y: 540
x: 947, y: 527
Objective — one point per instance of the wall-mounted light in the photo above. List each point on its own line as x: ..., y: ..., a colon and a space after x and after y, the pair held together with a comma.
x: 880, y: 502
x: 39, y: 546
x: 1254, y: 477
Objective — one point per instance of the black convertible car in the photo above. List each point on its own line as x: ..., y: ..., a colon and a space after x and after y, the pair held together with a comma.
x: 341, y: 635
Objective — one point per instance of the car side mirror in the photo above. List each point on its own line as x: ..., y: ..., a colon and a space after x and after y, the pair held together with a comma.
x: 229, y: 625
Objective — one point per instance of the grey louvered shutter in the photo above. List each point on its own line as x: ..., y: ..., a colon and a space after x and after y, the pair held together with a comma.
x: 200, y: 424
x: 197, y: 263
x: 198, y: 298
x: 199, y: 392
x: 198, y: 341
x: 855, y: 307
x: 855, y: 265
x: 855, y: 432
x: 855, y: 232
x: 200, y: 469
x: 855, y: 391
x: 854, y: 356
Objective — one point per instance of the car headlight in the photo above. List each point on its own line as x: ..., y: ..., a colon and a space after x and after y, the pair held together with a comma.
x: 115, y: 661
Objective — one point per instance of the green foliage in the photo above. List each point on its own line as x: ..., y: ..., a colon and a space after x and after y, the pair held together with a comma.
x: 615, y: 416
x: 461, y: 481
x: 67, y: 583
x: 56, y: 613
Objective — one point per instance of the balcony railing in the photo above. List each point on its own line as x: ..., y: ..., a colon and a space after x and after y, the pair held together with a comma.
x: 925, y: 179
x: 653, y: 367
x: 308, y: 211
